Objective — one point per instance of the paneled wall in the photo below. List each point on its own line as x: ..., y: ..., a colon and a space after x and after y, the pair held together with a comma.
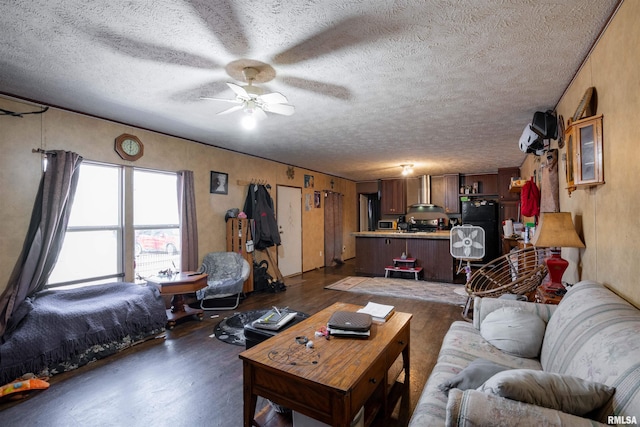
x: 20, y: 172
x: 606, y: 216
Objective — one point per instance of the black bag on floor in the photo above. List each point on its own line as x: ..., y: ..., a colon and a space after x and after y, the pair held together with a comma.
x: 261, y: 278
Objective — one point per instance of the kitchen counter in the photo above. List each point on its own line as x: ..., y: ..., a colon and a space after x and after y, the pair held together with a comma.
x: 441, y: 234
x: 375, y: 251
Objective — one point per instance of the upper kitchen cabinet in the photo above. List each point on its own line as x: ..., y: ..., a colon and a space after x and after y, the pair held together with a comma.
x: 451, y: 196
x: 393, y: 197
x: 444, y: 192
x: 504, y: 181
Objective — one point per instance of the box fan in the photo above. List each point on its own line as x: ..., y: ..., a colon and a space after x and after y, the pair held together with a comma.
x: 467, y: 243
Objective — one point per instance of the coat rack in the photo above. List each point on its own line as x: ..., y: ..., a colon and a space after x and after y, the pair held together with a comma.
x: 254, y: 181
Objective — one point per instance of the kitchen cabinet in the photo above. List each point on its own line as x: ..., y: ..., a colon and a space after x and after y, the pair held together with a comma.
x: 373, y: 254
x: 393, y: 196
x: 452, y: 193
x: 434, y: 257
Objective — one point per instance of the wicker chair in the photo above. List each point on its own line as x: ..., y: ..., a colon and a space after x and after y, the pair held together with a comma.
x: 518, y: 272
x: 227, y: 272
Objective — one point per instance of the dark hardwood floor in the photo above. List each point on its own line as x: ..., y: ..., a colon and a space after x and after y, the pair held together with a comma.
x: 188, y: 377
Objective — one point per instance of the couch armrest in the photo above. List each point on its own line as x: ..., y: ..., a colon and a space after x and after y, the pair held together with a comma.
x: 484, y: 306
x: 474, y: 408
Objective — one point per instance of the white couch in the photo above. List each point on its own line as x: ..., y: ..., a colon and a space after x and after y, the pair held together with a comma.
x: 593, y: 335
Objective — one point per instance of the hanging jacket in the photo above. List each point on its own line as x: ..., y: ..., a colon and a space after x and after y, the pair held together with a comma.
x: 259, y: 207
x: 530, y: 199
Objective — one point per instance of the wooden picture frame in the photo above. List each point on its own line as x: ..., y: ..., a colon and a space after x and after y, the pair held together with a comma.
x: 219, y: 183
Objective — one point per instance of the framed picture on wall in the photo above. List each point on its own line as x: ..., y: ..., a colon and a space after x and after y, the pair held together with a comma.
x: 219, y: 183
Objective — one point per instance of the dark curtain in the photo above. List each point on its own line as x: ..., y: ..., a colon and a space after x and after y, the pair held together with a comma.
x: 46, y: 232
x: 333, y: 229
x: 188, y: 221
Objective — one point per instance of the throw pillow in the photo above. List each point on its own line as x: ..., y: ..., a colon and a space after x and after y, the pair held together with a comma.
x: 514, y: 331
x: 562, y: 392
x: 473, y: 376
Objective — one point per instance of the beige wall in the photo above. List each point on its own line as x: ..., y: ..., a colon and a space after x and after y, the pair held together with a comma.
x: 20, y: 172
x: 606, y: 215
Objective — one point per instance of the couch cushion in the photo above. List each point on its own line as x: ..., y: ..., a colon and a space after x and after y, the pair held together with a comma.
x: 473, y: 376
x: 514, y: 331
x: 595, y: 335
x: 562, y: 392
x: 473, y: 408
x: 461, y: 345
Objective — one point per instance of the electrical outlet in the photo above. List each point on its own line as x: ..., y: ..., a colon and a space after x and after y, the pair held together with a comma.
x: 344, y: 249
x: 320, y: 253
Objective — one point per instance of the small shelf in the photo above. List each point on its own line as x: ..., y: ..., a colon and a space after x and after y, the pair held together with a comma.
x: 478, y: 195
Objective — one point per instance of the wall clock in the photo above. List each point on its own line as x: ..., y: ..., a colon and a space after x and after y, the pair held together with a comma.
x: 129, y: 147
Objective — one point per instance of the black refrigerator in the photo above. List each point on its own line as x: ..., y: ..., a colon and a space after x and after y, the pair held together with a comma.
x: 484, y: 213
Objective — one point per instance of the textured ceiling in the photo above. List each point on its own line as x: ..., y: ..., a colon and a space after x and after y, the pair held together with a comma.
x: 446, y: 85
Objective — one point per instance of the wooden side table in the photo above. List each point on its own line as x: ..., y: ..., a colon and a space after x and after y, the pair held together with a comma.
x: 544, y: 297
x: 177, y: 285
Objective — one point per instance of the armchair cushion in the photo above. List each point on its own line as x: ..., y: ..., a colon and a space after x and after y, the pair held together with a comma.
x: 227, y: 272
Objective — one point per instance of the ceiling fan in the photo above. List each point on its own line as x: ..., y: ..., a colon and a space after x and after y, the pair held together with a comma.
x: 253, y: 101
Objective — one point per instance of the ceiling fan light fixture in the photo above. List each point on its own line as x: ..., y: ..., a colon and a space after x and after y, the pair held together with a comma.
x: 407, y: 169
x: 248, y: 121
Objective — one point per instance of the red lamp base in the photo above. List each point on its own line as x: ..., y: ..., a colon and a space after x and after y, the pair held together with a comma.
x: 556, y: 266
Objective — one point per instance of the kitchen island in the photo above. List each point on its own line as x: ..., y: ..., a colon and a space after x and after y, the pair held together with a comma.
x: 376, y: 249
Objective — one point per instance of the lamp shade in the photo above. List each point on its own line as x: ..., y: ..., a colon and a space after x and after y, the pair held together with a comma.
x: 556, y: 230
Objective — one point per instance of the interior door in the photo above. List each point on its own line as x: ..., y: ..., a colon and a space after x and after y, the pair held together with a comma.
x: 289, y: 214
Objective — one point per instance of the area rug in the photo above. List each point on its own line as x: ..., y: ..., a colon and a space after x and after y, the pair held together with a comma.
x: 231, y: 329
x: 446, y: 293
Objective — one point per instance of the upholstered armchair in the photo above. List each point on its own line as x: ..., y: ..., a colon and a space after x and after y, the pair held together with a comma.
x: 227, y: 272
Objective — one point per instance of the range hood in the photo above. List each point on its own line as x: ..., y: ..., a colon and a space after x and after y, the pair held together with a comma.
x: 424, y: 196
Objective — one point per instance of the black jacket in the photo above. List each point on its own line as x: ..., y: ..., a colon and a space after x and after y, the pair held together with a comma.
x: 259, y: 207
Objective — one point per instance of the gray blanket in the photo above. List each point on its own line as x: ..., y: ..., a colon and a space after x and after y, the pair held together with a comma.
x: 54, y: 325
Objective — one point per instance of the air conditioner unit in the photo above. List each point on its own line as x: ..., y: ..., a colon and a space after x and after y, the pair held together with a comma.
x: 531, y: 142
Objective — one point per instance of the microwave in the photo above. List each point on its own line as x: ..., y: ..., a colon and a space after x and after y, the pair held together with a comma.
x: 387, y: 224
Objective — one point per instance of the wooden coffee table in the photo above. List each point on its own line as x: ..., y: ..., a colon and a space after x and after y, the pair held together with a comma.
x: 333, y: 380
x: 178, y: 285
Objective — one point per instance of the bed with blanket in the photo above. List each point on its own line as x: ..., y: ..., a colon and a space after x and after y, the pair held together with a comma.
x: 58, y: 330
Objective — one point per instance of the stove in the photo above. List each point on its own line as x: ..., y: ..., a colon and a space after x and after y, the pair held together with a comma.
x: 422, y: 226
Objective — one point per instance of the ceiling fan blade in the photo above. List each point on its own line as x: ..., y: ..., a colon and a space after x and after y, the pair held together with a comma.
x: 231, y: 110
x: 325, y: 89
x: 284, y: 109
x: 348, y: 32
x: 223, y: 14
x: 274, y: 98
x: 239, y: 90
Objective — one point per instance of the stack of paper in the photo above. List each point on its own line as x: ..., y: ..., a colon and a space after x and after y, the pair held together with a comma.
x: 378, y: 312
x: 274, y: 320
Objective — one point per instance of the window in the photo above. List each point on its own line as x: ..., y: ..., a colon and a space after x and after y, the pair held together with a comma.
x: 92, y: 246
x: 156, y: 222
x: 95, y: 243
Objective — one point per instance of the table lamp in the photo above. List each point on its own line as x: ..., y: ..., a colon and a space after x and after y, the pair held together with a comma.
x: 555, y: 230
